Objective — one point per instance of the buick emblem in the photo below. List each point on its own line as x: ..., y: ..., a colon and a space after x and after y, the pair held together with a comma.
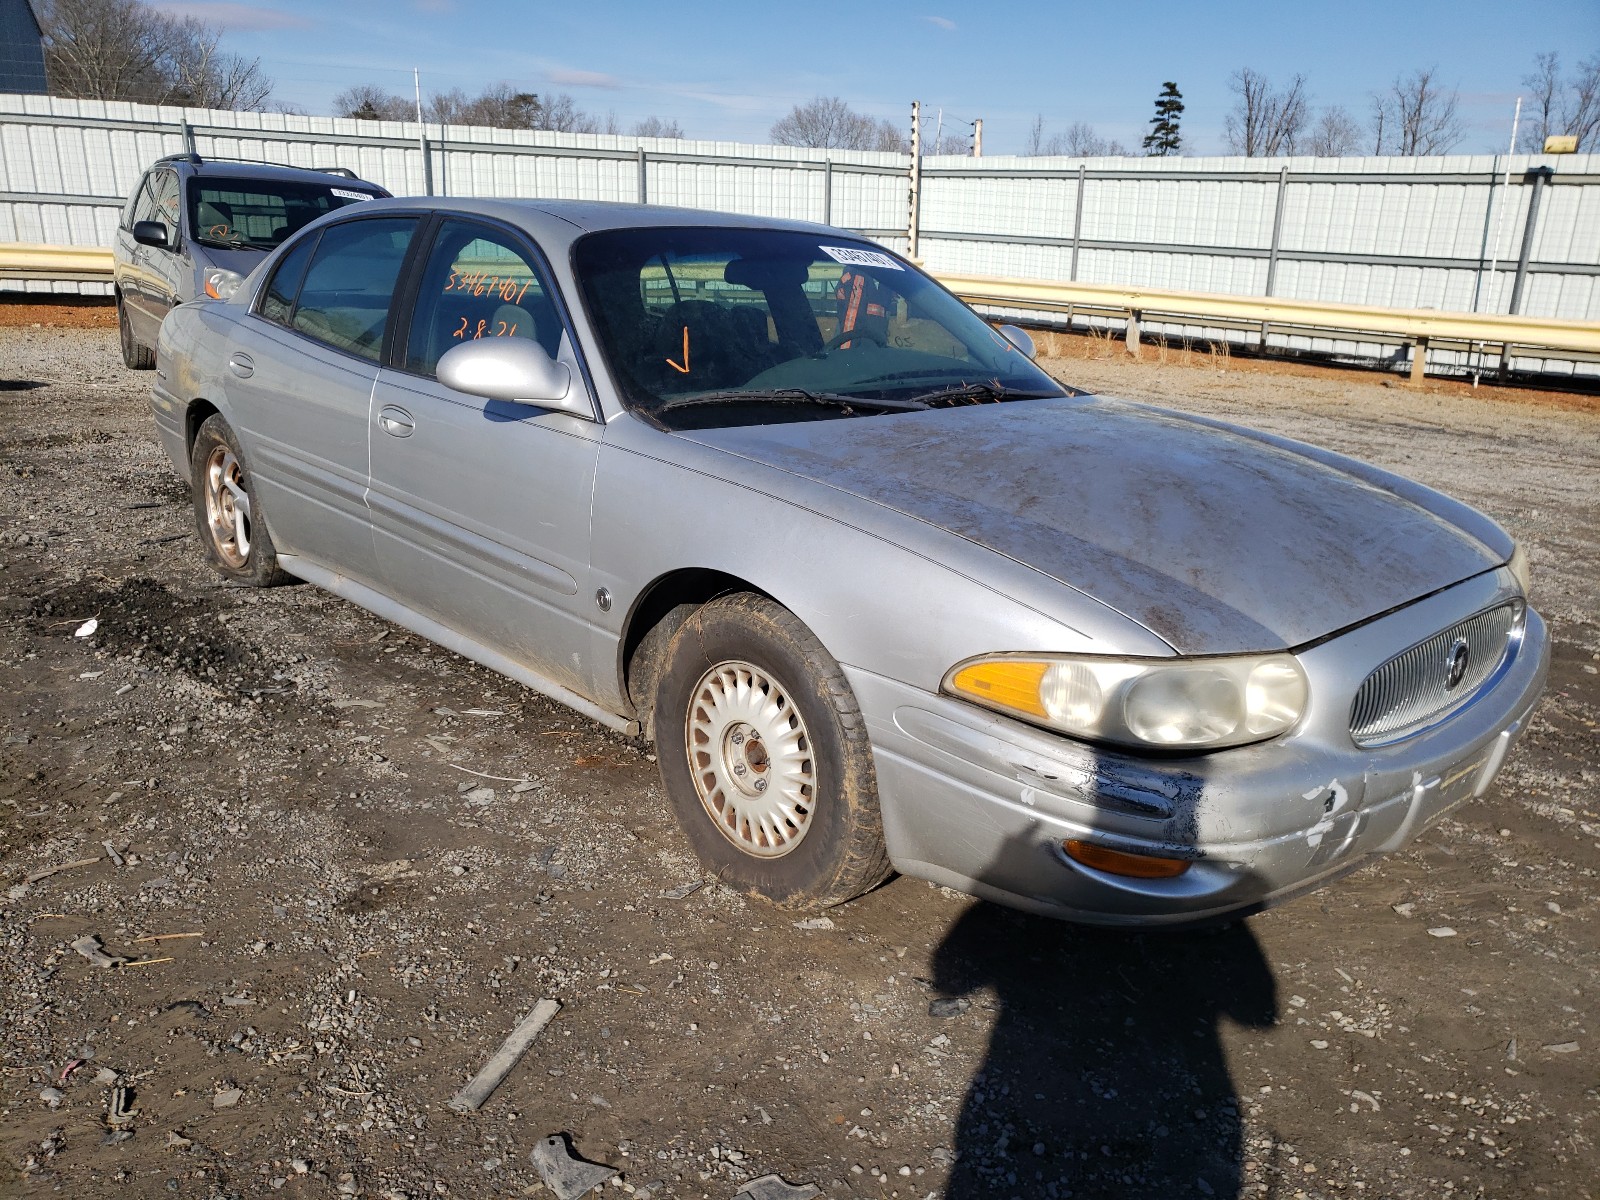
x: 1456, y: 664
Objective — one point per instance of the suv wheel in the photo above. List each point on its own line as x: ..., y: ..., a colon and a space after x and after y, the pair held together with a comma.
x: 135, y: 356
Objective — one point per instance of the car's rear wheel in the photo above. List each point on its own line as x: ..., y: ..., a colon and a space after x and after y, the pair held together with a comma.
x: 135, y: 355
x: 227, y: 512
x: 765, y: 758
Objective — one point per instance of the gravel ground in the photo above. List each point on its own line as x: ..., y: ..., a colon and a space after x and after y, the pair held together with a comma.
x: 377, y: 857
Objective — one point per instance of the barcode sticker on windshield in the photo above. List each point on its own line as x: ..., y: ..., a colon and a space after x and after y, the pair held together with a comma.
x: 343, y: 194
x: 860, y: 258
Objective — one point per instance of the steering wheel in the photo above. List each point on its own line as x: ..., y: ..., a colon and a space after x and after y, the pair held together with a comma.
x: 857, y: 334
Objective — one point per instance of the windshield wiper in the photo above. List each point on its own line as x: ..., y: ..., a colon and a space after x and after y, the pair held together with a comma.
x: 793, y: 396
x: 233, y: 245
x: 979, y: 391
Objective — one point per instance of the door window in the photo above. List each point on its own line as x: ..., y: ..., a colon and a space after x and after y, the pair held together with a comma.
x: 478, y: 283
x: 349, y: 284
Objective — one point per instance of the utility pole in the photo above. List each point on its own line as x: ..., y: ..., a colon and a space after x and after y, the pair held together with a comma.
x: 914, y: 218
x: 422, y: 136
x: 977, y: 138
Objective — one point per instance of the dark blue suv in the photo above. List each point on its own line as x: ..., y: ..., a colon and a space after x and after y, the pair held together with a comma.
x: 196, y: 227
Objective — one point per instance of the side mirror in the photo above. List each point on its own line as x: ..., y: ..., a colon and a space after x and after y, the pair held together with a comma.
x: 514, y: 369
x: 1019, y: 338
x: 150, y: 233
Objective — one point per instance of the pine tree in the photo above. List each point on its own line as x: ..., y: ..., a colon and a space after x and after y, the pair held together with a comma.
x: 1163, y: 138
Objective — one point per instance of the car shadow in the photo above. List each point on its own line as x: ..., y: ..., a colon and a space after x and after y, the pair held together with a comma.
x: 1105, y: 1074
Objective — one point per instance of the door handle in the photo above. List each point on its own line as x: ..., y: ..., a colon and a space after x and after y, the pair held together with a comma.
x: 241, y: 364
x: 396, y: 421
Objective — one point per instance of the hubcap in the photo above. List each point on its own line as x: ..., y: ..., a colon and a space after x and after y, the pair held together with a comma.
x: 750, y: 756
x: 227, y: 507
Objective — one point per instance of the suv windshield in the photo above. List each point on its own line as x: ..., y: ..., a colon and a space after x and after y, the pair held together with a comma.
x: 730, y: 326
x: 258, y: 214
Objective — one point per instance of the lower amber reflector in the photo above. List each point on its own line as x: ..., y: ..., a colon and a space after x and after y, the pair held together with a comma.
x: 1115, y: 862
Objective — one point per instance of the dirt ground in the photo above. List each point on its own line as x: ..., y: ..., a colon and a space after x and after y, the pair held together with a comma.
x: 346, y: 864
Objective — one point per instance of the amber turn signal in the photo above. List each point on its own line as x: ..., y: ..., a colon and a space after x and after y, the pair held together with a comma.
x: 1115, y: 862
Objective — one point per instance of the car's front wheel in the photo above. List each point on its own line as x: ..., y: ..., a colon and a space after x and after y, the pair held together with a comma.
x: 765, y: 758
x: 135, y: 355
x: 227, y: 512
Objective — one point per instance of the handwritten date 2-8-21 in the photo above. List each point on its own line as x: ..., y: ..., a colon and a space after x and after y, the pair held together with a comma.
x: 485, y: 329
x: 479, y: 282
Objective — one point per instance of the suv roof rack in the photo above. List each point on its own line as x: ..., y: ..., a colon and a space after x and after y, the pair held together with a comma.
x: 195, y: 160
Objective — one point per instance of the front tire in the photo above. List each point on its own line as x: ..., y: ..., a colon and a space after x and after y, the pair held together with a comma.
x: 227, y: 512
x: 764, y: 756
x: 135, y: 355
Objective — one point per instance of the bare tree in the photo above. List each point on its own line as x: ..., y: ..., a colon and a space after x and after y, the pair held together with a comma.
x: 500, y: 105
x: 1034, y: 146
x: 1415, y: 116
x: 368, y: 102
x: 1264, y: 121
x: 126, y: 50
x: 1333, y: 134
x: 103, y: 50
x: 656, y: 127
x: 827, y: 122
x: 206, y: 76
x: 1561, y: 107
x: 1082, y: 141
x: 562, y: 114
x: 505, y: 107
x: 1079, y: 141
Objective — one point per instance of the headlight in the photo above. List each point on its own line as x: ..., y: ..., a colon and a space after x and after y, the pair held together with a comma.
x: 1518, y: 566
x: 222, y: 283
x: 1177, y: 704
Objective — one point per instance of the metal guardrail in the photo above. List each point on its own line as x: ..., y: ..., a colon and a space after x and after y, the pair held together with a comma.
x: 1533, y: 337
x: 1418, y: 328
x: 28, y: 260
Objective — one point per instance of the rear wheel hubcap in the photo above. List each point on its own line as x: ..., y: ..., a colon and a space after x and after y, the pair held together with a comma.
x: 227, y: 507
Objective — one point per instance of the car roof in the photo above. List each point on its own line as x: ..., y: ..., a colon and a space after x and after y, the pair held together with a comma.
x: 212, y: 169
x: 566, y: 220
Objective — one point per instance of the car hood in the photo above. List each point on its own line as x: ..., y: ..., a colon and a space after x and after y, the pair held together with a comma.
x: 242, y: 261
x: 1212, y: 539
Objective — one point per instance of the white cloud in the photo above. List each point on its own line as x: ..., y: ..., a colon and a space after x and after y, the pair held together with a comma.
x: 228, y: 14
x: 942, y: 22
x: 566, y: 77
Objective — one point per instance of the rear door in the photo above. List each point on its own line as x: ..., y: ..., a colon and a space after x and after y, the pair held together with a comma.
x: 299, y: 378
x: 480, y: 508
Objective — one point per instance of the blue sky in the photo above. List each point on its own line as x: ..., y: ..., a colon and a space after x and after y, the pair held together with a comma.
x: 728, y: 70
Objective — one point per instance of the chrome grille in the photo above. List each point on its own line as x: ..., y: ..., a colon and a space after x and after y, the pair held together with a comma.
x: 1415, y: 687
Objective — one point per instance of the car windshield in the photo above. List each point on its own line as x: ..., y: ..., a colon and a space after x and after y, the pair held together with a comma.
x: 735, y: 326
x: 258, y: 214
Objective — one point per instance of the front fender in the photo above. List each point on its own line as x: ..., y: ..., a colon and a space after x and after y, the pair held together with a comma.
x: 883, y: 592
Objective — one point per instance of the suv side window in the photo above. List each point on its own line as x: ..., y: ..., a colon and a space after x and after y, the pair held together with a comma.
x: 349, y: 284
x: 164, y: 185
x: 144, y: 205
x: 277, y: 298
x: 130, y: 210
x: 478, y: 283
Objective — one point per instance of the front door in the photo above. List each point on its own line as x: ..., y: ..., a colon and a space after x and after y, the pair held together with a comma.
x: 300, y: 374
x: 480, y: 508
x: 158, y: 272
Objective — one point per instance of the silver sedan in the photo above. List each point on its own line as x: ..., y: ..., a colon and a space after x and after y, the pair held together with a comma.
x: 885, y: 595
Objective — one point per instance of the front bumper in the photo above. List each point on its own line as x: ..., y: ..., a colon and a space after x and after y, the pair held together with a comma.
x: 983, y: 803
